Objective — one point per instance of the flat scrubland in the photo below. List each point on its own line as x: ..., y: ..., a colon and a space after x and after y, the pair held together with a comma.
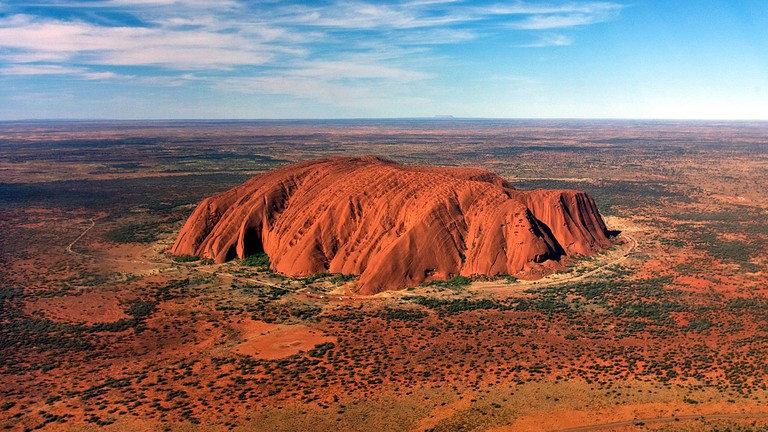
x: 100, y: 329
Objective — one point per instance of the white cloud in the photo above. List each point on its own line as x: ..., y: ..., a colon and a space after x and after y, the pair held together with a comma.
x: 361, y: 16
x: 46, y: 40
x: 177, y: 36
x: 356, y: 81
x: 170, y: 81
x: 521, y: 8
x: 105, y: 76
x: 186, y: 4
x: 299, y: 87
x: 567, y: 16
x: 430, y: 2
x: 46, y: 69
x: 431, y: 14
x: 547, y: 22
x: 39, y: 70
x: 548, y: 40
x: 206, y: 4
x: 336, y: 70
x: 184, y: 58
x: 344, y: 52
x: 438, y: 36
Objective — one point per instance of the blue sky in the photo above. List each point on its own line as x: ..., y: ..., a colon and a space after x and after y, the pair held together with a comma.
x: 148, y: 59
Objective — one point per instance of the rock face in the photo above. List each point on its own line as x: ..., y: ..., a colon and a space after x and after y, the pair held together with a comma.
x: 394, y: 225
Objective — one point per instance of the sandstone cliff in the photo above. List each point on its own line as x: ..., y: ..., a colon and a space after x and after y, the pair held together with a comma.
x: 394, y: 225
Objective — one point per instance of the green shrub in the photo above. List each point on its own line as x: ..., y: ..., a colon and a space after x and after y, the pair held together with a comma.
x: 185, y: 258
x: 134, y: 233
x: 342, y: 278
x: 256, y: 260
x: 454, y: 282
x: 321, y: 349
x: 140, y: 308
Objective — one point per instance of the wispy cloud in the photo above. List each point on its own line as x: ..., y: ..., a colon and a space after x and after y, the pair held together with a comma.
x: 105, y: 76
x: 572, y: 15
x: 44, y: 39
x: 521, y: 8
x: 548, y: 40
x: 430, y: 14
x: 46, y: 69
x: 363, y: 16
x: 328, y: 52
x: 40, y: 70
x: 557, y: 21
x: 205, y: 4
x: 337, y: 70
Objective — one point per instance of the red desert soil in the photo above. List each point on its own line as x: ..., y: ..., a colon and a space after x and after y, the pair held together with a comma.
x: 394, y: 225
x: 630, y: 417
x: 88, y: 308
x: 275, y: 341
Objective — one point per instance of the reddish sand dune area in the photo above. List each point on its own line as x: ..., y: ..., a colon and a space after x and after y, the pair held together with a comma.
x: 88, y: 308
x: 394, y: 225
x: 275, y: 341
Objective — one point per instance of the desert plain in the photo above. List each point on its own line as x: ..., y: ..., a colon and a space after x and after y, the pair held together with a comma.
x: 102, y: 328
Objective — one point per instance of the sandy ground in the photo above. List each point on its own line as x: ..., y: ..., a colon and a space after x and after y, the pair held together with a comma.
x: 614, y: 418
x: 90, y: 308
x: 274, y: 341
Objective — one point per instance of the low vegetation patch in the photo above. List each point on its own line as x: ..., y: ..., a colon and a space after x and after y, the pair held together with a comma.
x: 186, y: 258
x: 454, y: 282
x: 146, y: 232
x: 260, y: 259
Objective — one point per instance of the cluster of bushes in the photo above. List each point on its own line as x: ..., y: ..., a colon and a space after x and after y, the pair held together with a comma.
x: 265, y: 292
x: 341, y: 278
x: 454, y: 282
x: 146, y: 232
x: 260, y: 260
x: 547, y: 304
x: 402, y: 314
x: 141, y: 308
x: 321, y: 349
x: 306, y: 312
x: 457, y: 305
x: 185, y: 258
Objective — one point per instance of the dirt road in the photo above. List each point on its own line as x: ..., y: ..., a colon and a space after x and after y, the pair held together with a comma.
x: 69, y: 246
x: 559, y: 279
x: 644, y: 421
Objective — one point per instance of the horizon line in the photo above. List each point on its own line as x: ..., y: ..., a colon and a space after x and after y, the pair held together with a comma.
x: 436, y: 118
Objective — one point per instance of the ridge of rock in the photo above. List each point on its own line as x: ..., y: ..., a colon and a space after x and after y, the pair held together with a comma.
x: 394, y: 225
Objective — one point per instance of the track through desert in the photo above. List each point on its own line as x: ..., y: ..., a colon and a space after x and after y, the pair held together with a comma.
x: 537, y: 283
x: 133, y: 261
x: 640, y: 422
x: 302, y: 291
x: 622, y: 258
x: 69, y: 246
x: 520, y: 283
x: 212, y: 272
x: 562, y: 280
x: 241, y: 278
